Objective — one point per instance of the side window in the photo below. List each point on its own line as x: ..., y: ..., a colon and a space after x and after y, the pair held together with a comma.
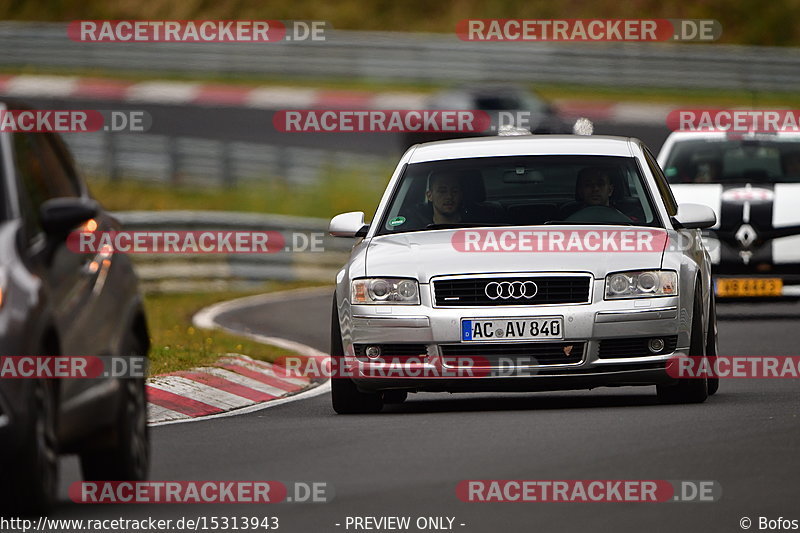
x: 32, y: 187
x: 59, y: 178
x: 661, y: 182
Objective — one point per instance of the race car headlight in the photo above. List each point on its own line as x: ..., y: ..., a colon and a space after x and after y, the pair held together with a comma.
x: 641, y: 284
x: 393, y: 291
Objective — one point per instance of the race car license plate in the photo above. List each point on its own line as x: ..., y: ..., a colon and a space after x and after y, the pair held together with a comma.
x: 743, y: 287
x: 511, y: 329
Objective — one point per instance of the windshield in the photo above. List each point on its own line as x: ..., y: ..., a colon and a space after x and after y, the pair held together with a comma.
x: 519, y: 191
x: 734, y: 160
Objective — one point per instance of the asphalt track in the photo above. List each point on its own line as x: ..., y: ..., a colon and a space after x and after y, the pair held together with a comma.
x: 408, y: 460
x: 255, y: 125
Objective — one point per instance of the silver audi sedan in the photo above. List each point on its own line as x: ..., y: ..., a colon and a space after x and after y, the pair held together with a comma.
x: 522, y: 264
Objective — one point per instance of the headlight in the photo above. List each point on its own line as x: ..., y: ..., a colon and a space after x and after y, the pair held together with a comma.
x: 641, y: 284
x: 393, y: 291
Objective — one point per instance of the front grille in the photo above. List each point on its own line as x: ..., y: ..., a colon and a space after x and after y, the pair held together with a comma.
x: 512, y: 354
x: 634, y: 347
x: 550, y: 290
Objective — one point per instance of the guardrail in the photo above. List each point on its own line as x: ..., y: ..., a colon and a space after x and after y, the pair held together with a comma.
x: 207, y: 272
x: 197, y: 161
x: 437, y: 58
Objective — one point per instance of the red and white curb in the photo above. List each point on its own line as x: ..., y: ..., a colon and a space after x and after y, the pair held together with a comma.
x: 192, y: 93
x: 274, y: 97
x: 236, y: 383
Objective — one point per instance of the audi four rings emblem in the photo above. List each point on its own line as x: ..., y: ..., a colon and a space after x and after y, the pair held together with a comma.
x: 505, y: 290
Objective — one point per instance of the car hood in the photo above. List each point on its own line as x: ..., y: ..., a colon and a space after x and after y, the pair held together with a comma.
x: 425, y: 254
x: 769, y: 205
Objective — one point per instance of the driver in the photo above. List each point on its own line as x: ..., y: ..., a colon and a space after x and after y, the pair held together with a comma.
x: 594, y: 187
x: 445, y: 196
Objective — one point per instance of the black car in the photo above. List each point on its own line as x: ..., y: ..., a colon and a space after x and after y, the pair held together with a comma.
x: 505, y: 105
x: 54, y: 301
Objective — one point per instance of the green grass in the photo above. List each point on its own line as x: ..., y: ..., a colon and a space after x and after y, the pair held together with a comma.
x: 332, y: 196
x: 178, y: 345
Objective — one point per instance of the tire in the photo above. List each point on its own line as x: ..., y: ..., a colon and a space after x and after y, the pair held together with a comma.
x: 127, y: 458
x: 711, y: 344
x: 689, y: 390
x: 30, y: 488
x: 345, y: 396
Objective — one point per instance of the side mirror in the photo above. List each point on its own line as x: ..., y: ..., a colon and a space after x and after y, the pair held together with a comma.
x: 348, y: 225
x: 694, y: 216
x: 61, y: 215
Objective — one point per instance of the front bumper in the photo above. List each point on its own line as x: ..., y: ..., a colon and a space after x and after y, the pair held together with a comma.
x: 586, y: 327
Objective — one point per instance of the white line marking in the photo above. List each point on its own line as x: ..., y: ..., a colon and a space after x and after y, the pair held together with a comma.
x: 281, y: 98
x: 41, y: 86
x: 163, y: 91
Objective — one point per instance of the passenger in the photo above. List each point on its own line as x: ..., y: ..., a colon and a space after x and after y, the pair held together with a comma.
x: 593, y: 189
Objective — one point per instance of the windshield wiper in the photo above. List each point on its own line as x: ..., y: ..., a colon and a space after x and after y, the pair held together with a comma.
x: 584, y: 223
x: 455, y: 225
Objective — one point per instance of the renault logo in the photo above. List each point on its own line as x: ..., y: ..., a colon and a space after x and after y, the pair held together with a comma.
x: 505, y: 290
x: 746, y: 235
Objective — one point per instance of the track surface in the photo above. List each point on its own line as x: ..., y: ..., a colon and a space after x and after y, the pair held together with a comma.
x: 408, y: 460
x: 255, y: 125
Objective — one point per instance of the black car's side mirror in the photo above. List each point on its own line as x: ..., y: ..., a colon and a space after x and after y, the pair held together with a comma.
x: 59, y: 216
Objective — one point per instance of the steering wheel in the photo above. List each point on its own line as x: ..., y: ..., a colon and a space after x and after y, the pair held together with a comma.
x: 601, y: 214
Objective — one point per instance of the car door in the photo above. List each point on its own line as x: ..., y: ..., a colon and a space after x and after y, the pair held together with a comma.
x: 69, y: 278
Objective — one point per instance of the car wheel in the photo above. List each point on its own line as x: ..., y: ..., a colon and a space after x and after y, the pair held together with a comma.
x: 128, y: 457
x: 712, y: 345
x: 689, y: 390
x: 345, y: 396
x: 30, y: 487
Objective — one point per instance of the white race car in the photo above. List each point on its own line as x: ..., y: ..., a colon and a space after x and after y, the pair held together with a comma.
x: 753, y: 184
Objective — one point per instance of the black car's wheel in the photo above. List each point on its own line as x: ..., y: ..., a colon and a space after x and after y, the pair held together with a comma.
x: 689, y: 390
x: 127, y: 456
x: 32, y: 478
x: 346, y: 398
x: 712, y: 345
